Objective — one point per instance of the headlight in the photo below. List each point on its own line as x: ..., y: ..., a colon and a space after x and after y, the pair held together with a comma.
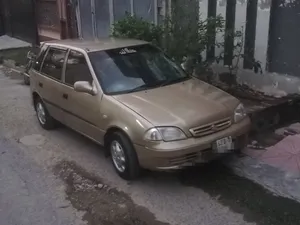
x: 164, y: 133
x: 239, y: 113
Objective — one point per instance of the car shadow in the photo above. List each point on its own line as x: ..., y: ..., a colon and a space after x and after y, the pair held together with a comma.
x: 241, y: 195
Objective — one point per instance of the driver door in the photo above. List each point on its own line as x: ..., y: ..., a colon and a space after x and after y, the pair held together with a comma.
x: 82, y: 110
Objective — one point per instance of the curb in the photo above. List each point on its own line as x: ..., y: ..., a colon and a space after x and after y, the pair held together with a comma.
x: 279, y: 182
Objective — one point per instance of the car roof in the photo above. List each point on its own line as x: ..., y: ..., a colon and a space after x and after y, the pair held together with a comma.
x: 97, y: 44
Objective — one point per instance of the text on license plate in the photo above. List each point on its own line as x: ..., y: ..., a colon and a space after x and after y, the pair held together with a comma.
x: 224, y: 145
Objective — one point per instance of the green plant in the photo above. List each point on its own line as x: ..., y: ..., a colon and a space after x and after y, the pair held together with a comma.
x: 187, y: 42
x: 237, y: 47
x: 185, y: 37
x: 183, y: 40
x: 238, y: 54
x: 138, y: 28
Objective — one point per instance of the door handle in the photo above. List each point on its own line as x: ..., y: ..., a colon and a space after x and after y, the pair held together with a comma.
x: 65, y: 96
x: 40, y: 84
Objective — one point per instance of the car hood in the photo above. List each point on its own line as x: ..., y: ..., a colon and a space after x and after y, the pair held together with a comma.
x: 186, y: 104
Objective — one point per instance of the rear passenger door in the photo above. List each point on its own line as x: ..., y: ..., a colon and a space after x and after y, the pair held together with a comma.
x: 82, y: 110
x: 49, y: 83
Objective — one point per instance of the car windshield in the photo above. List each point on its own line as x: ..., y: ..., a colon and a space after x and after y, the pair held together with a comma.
x: 137, y: 68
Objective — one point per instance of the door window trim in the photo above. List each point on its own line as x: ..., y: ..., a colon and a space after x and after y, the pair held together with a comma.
x: 65, y: 67
x: 57, y: 48
x: 63, y: 75
x: 44, y: 50
x: 89, y: 64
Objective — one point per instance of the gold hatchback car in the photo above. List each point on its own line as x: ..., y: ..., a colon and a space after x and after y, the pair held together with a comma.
x: 128, y: 96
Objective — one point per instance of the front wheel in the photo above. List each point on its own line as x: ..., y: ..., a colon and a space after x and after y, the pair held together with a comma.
x: 124, y: 157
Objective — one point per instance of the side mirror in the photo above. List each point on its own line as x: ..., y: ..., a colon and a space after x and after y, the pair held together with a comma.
x: 85, y: 87
x: 31, y: 55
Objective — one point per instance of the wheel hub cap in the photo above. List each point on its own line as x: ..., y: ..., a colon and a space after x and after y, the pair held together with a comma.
x: 41, y: 113
x: 118, y: 156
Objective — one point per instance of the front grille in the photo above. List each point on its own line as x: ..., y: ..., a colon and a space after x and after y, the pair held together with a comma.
x: 211, y: 128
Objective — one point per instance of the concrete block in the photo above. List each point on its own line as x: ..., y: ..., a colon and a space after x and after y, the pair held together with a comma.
x: 295, y: 127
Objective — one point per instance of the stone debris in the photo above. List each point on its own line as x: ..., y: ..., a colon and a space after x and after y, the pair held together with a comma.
x: 255, y: 145
x: 293, y: 129
x: 100, y: 186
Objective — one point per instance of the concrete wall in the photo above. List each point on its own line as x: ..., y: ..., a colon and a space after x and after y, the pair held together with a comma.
x: 277, y: 28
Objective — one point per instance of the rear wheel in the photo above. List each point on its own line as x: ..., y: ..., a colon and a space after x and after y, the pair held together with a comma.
x: 123, y: 156
x: 44, y: 118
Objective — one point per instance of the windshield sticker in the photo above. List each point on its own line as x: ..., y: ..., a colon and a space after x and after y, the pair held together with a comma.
x: 125, y: 51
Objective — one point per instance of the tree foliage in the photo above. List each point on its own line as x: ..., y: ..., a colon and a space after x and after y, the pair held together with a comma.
x: 184, y: 40
x: 138, y: 28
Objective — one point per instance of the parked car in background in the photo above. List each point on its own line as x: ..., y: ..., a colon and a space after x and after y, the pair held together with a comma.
x: 129, y: 97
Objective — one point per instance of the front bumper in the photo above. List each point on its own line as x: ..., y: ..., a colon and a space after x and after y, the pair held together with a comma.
x: 177, y: 154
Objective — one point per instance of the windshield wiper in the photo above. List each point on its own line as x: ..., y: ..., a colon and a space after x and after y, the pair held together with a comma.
x: 139, y: 88
x: 172, y: 81
x: 163, y: 83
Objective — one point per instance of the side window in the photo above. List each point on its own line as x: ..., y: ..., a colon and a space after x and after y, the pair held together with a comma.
x: 77, y: 69
x: 39, y: 59
x: 53, y: 63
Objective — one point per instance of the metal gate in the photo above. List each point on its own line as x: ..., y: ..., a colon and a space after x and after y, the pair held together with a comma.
x: 284, y: 38
x: 22, y: 19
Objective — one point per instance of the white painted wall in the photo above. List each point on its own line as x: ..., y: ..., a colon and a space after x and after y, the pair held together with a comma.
x: 262, y: 27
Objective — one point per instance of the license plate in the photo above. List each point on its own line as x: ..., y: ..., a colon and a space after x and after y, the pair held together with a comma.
x: 224, y: 145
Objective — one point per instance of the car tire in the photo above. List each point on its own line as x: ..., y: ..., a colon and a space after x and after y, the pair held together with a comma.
x: 26, y: 80
x: 43, y: 116
x: 122, y: 150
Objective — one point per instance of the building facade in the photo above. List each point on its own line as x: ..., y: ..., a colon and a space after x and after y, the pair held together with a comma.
x: 271, y: 28
x: 38, y: 20
x: 17, y: 18
x: 55, y: 19
x: 271, y: 31
x: 95, y: 17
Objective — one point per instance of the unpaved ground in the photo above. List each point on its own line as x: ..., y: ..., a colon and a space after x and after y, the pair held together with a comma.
x: 101, y: 203
x: 209, y: 195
